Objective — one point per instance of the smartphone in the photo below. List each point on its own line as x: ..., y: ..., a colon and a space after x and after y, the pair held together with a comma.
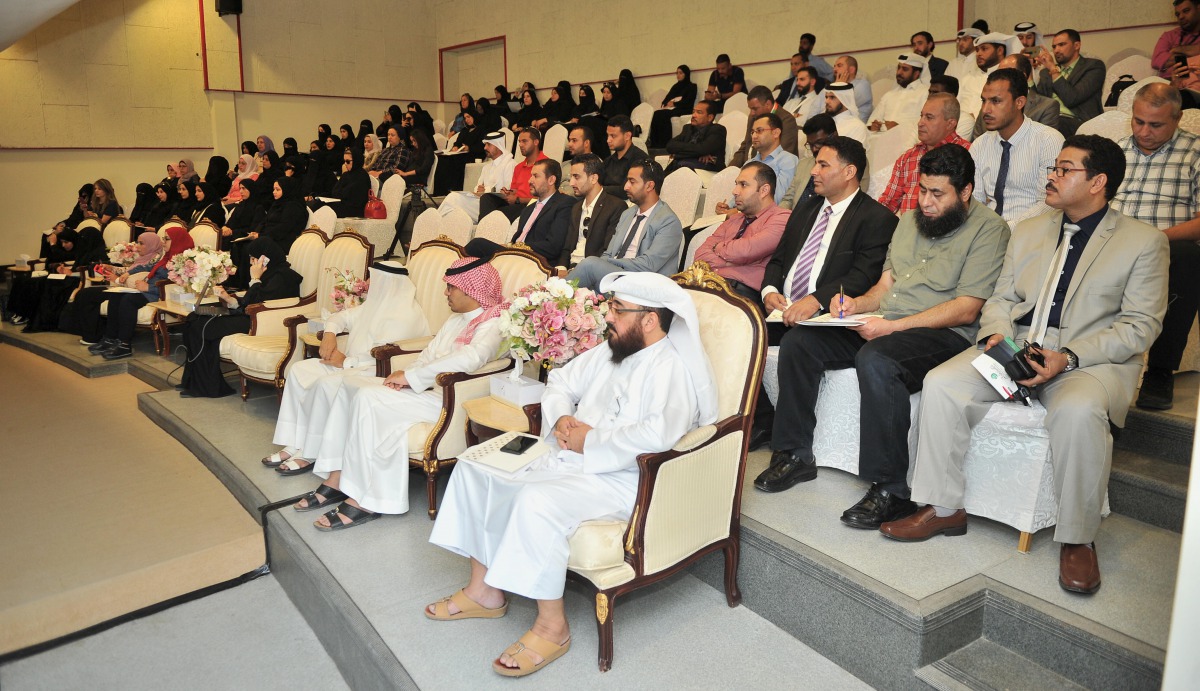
x: 519, y: 445
x: 263, y: 261
x: 1181, y: 59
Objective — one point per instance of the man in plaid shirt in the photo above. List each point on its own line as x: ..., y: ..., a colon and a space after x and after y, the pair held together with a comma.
x: 939, y: 120
x: 1162, y: 188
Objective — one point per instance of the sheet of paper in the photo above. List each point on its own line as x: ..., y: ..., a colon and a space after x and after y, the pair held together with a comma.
x: 829, y: 319
x: 488, y: 455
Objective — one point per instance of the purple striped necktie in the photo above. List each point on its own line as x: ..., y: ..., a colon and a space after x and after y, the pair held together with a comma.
x: 804, y: 262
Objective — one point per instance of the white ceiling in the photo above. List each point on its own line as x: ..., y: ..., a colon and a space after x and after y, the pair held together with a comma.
x: 19, y: 17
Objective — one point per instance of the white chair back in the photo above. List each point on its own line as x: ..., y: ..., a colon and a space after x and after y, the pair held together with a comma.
x: 393, y: 196
x: 518, y: 268
x: 495, y: 227
x: 698, y: 239
x: 554, y: 144
x: 874, y: 185
x: 735, y: 131
x: 456, y: 225
x: 348, y: 252
x: 116, y: 231
x: 324, y: 218
x: 428, y: 226
x: 641, y: 116
x: 720, y: 188
x: 305, y: 258
x: 1112, y: 124
x: 375, y: 185
x: 439, y: 139
x: 735, y: 104
x: 439, y: 127
x: 879, y: 87
x: 509, y: 138
x: 205, y: 234
x: 432, y: 172
x: 884, y: 148
x: 681, y: 192
x: 162, y: 230
x: 88, y: 223
x: 655, y: 99
x: 1136, y: 66
x: 426, y: 266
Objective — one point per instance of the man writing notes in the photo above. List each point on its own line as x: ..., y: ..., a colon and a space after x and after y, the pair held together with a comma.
x: 496, y: 175
x: 639, y: 392
x: 941, y: 266
x: 1089, y: 285
x: 647, y: 237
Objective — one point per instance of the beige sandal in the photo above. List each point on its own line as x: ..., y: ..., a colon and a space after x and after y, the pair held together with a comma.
x: 519, y: 652
x: 467, y: 609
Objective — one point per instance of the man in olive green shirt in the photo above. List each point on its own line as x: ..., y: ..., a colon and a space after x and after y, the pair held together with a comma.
x: 941, y: 267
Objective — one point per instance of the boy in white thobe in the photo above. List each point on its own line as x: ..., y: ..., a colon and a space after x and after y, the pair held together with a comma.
x: 371, y: 473
x: 309, y: 422
x: 639, y: 392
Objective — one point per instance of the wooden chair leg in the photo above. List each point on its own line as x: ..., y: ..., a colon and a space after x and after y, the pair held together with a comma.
x: 245, y: 387
x: 1024, y: 542
x: 733, y: 595
x: 431, y: 490
x: 604, y: 627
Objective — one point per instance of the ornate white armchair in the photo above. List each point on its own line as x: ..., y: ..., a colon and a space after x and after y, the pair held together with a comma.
x: 264, y: 354
x: 206, y: 234
x: 117, y: 230
x: 689, y: 498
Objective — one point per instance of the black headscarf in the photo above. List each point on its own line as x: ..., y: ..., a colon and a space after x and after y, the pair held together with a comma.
x: 346, y: 135
x: 331, y: 159
x: 290, y: 147
x: 89, y: 248
x: 562, y: 109
x: 364, y: 128
x: 564, y: 92
x: 290, y: 189
x: 218, y: 175
x: 322, y: 130
x: 502, y: 94
x: 627, y: 90
x: 587, y: 102
x: 184, y: 207
x: 266, y: 178
x: 263, y: 246
x: 144, y: 202
x: 488, y: 119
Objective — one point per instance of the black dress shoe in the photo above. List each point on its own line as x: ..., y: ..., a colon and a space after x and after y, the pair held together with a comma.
x: 102, y: 346
x: 759, y: 438
x: 119, y: 351
x: 1158, y: 390
x: 877, y: 507
x: 785, y: 471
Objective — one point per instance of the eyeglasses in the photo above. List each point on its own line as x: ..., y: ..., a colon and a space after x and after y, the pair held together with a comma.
x: 1061, y: 171
x: 626, y: 310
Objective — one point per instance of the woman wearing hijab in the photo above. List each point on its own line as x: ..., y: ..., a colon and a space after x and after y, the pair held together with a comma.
x: 530, y: 113
x: 208, y: 207
x: 290, y: 148
x: 245, y: 218
x: 187, y: 170
x: 162, y: 205
x: 365, y: 127
x: 352, y: 187
x: 123, y: 307
x: 143, y: 202
x: 264, y: 145
x: 561, y: 107
x: 627, y: 89
x: 348, y: 138
x: 247, y: 172
x: 186, y: 204
x: 249, y: 147
x: 286, y: 218
x: 331, y: 154
x: 318, y: 180
x: 172, y: 174
x: 500, y: 93
x: 27, y: 290
x: 678, y: 101
x: 392, y: 116
x: 271, y: 278
x: 104, y: 206
x: 611, y: 103
x: 271, y: 171
x: 83, y: 202
x: 55, y: 294
x: 587, y: 103
x: 470, y: 137
x: 82, y: 317
x: 422, y: 120
x: 371, y: 148
x: 218, y: 175
x: 466, y: 104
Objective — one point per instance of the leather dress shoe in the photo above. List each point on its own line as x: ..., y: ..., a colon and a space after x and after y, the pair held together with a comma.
x: 785, y: 471
x: 104, y: 345
x: 877, y: 507
x: 1078, y: 569
x: 1157, y: 391
x: 924, y: 524
x: 118, y: 351
x: 759, y: 437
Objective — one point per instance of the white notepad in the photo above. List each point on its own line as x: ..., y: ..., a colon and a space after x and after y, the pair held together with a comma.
x: 487, y: 455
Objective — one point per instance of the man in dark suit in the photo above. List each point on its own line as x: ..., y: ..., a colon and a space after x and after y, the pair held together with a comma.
x: 648, y: 236
x: 847, y: 256
x: 922, y: 44
x: 595, y: 214
x: 701, y: 144
x: 1072, y: 80
x: 545, y: 224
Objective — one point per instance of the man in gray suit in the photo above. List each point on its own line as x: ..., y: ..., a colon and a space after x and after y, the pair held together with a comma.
x: 1095, y: 306
x: 648, y: 236
x: 1072, y: 80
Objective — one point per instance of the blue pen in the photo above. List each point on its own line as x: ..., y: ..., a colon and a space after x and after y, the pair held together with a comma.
x: 841, y: 302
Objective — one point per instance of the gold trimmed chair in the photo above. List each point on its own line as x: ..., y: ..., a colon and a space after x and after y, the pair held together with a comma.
x: 117, y: 230
x: 206, y: 234
x: 263, y: 355
x: 689, y: 498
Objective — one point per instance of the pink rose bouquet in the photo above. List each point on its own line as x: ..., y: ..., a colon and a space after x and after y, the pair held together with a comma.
x: 552, y: 321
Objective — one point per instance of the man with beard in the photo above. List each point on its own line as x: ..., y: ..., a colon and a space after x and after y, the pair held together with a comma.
x: 942, y: 265
x: 545, y: 224
x: 639, y: 392
x: 806, y: 101
x: 922, y: 44
x: 513, y: 198
x: 701, y: 144
x: 903, y: 102
x: 964, y: 57
x: 842, y: 105
x: 1089, y: 285
x: 1072, y: 80
x: 990, y: 49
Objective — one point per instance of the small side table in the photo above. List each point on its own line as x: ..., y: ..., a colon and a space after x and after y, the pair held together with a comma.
x: 488, y: 417
x: 312, y: 345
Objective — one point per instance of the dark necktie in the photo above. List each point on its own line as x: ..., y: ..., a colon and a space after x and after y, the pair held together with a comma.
x: 1002, y: 177
x: 633, y: 229
x: 745, y: 224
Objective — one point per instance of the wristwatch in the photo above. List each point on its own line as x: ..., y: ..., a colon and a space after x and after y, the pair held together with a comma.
x: 1072, y: 359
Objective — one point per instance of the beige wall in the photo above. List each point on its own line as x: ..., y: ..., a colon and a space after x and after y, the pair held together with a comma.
x: 127, y: 75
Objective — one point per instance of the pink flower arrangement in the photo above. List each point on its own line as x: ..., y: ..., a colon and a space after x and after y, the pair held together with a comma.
x: 199, y: 268
x: 553, y: 321
x: 348, y: 289
x: 123, y: 253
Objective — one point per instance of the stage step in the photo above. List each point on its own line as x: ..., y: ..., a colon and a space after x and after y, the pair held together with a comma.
x: 987, y: 666
x: 1148, y: 489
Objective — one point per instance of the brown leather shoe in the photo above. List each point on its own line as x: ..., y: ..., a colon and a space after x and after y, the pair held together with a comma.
x: 924, y: 524
x: 1079, y: 569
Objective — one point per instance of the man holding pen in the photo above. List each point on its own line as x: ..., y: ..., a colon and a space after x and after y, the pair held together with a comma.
x: 941, y: 266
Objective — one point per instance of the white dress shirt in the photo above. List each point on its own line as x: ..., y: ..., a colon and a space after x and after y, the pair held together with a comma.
x: 1035, y: 147
x: 835, y: 218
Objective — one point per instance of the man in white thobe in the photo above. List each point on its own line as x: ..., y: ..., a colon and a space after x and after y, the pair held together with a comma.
x: 902, y: 105
x: 496, y: 175
x: 309, y: 422
x: 372, y: 473
x: 840, y: 102
x: 639, y: 392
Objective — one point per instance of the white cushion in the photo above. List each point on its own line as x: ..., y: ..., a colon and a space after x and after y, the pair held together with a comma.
x: 256, y: 356
x: 597, y: 545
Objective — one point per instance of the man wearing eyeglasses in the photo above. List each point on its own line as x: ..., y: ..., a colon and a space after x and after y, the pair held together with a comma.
x: 1089, y: 286
x: 765, y: 133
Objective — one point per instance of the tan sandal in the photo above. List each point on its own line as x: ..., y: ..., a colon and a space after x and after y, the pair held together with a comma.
x: 467, y: 609
x: 520, y: 650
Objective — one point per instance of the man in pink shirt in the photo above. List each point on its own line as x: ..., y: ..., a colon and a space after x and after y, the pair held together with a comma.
x: 740, y: 248
x: 1183, y: 40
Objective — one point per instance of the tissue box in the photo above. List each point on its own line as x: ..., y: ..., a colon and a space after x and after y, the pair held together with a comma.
x: 315, y: 326
x: 176, y: 293
x: 519, y: 393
